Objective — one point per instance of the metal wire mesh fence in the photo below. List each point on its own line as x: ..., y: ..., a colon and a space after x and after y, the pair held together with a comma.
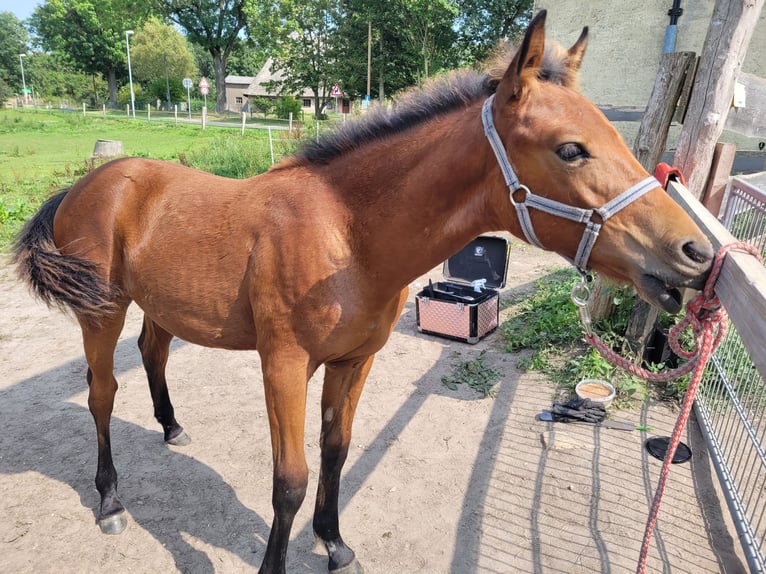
x: 731, y: 402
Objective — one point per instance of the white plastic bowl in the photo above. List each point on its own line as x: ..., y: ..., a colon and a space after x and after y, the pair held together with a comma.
x: 597, y: 390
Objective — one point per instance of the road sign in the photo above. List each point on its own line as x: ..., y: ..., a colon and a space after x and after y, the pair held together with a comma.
x: 336, y: 92
x: 204, y: 86
x: 187, y: 83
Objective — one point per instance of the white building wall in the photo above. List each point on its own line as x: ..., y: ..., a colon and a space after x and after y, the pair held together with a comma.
x: 625, y: 42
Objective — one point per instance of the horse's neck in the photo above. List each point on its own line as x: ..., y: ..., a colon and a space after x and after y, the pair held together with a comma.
x: 429, y: 198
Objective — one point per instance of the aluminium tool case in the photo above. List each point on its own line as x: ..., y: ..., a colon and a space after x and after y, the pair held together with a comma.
x: 454, y: 308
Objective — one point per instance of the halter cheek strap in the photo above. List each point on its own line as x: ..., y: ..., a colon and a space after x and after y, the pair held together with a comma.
x: 577, y: 214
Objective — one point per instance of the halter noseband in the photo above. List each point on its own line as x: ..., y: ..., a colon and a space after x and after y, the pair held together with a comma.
x: 554, y: 207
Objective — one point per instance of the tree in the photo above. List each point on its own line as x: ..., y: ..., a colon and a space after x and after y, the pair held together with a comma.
x: 430, y: 29
x: 396, y: 54
x: 246, y: 59
x: 159, y: 54
x: 305, y: 52
x: 481, y: 24
x: 91, y: 34
x: 55, y: 79
x: 15, y: 42
x: 217, y: 26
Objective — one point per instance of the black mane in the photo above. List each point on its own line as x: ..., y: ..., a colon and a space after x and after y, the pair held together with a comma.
x: 416, y: 106
x: 441, y: 95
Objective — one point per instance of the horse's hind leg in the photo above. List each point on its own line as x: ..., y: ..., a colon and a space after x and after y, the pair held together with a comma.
x: 99, y: 343
x: 342, y: 387
x: 154, y: 343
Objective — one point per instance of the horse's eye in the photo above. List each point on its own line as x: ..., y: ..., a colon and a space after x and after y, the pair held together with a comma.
x: 571, y: 152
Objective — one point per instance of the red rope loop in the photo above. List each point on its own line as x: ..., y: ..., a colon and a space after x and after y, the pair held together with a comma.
x: 709, y: 323
x: 704, y: 313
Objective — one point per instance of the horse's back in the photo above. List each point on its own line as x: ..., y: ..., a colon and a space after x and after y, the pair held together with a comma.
x: 207, y: 257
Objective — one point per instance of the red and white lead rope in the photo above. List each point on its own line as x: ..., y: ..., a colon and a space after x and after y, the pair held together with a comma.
x: 709, y: 323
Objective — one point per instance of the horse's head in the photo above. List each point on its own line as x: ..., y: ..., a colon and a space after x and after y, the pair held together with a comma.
x: 563, y: 149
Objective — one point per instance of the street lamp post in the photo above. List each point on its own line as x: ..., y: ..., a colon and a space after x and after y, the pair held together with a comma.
x: 130, y: 73
x: 23, y: 81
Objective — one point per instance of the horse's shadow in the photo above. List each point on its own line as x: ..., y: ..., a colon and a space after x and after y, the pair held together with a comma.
x: 47, y: 433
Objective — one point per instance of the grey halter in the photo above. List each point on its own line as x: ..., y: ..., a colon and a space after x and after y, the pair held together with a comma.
x: 553, y: 207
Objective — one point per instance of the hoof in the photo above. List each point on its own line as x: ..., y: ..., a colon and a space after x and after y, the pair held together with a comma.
x: 113, y: 524
x: 181, y: 439
x: 351, y: 568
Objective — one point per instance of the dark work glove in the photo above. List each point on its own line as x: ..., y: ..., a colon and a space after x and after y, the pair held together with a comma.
x: 583, y: 410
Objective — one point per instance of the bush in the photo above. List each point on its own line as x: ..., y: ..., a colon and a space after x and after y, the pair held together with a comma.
x: 287, y: 105
x: 231, y: 156
x: 158, y: 91
x: 262, y: 105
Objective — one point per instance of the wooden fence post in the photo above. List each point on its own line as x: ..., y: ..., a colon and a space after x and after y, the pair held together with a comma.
x: 723, y: 160
x: 676, y: 70
x: 723, y: 52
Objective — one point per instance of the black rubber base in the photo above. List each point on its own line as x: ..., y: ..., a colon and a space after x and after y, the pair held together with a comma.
x: 657, y: 446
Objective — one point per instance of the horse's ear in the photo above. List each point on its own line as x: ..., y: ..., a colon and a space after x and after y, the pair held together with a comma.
x: 577, y: 51
x: 528, y: 59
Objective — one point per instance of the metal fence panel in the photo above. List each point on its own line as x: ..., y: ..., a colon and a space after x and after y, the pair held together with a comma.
x: 731, y: 403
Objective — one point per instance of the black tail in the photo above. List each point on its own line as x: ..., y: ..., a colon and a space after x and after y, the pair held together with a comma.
x: 60, y: 280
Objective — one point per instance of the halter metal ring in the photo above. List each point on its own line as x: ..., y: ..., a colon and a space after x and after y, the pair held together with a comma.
x: 527, y: 193
x: 580, y: 294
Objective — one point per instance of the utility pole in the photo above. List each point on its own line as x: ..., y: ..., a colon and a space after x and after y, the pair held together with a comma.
x: 369, y: 57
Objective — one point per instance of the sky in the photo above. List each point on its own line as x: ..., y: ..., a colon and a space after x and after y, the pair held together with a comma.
x: 22, y: 9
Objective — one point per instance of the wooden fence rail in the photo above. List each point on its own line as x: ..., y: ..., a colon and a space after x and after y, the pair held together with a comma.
x: 742, y: 283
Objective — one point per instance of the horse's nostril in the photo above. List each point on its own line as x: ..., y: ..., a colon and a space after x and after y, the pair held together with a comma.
x: 698, y: 252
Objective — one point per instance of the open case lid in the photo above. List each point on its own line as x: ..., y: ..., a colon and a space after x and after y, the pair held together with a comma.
x: 486, y: 257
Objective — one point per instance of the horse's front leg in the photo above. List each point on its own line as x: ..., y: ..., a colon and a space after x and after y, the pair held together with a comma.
x: 343, y: 385
x: 285, y: 380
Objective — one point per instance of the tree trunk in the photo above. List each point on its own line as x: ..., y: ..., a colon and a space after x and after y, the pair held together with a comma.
x: 726, y: 43
x: 318, y: 105
x: 111, y: 80
x: 219, y: 67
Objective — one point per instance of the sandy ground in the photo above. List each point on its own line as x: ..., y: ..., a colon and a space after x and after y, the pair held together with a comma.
x: 437, y: 480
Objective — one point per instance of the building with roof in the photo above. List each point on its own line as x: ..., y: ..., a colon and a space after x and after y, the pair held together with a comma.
x: 241, y: 90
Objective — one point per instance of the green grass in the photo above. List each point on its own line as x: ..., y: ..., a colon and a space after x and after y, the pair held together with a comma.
x: 546, y: 323
x: 474, y: 373
x: 42, y: 151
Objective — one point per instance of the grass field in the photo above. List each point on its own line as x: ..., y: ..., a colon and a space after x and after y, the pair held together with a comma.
x: 43, y: 151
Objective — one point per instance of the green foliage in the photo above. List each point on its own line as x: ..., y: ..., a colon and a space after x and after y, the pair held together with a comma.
x: 123, y: 96
x: 15, y: 42
x: 91, y: 34
x: 430, y: 32
x: 547, y: 323
x: 547, y: 318
x: 215, y: 26
x: 287, y: 105
x: 481, y: 24
x: 157, y: 90
x: 474, y: 373
x: 159, y: 50
x: 229, y: 157
x: 57, y: 82
x: 262, y: 105
x: 306, y: 37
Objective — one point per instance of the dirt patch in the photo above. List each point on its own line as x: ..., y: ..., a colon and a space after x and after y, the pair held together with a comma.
x: 437, y: 480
